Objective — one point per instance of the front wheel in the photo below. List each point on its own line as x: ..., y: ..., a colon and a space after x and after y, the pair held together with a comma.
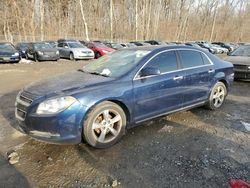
x: 71, y: 56
x: 97, y: 55
x: 217, y: 96
x: 104, y: 125
x: 35, y: 58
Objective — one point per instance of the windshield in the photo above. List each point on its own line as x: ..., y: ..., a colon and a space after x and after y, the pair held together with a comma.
x: 100, y: 45
x: 115, y: 45
x: 6, y: 47
x: 117, y: 63
x: 23, y: 45
x: 41, y: 45
x: 75, y: 45
x: 241, y: 51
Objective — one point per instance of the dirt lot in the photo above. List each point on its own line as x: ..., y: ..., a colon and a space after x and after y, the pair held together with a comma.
x: 197, y: 148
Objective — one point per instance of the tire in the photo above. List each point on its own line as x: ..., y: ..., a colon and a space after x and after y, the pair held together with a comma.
x: 97, y: 55
x: 35, y: 58
x: 26, y: 56
x: 71, y: 56
x: 103, y: 133
x: 217, y: 96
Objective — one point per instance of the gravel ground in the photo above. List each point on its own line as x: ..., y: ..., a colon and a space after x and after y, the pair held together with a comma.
x: 197, y: 148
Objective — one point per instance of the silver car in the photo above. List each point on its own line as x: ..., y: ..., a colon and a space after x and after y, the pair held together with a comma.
x: 74, y: 50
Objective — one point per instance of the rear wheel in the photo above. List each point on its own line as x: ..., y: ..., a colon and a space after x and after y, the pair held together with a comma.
x: 105, y: 125
x: 217, y: 96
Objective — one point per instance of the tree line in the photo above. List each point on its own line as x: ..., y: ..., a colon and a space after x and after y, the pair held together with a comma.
x: 115, y: 20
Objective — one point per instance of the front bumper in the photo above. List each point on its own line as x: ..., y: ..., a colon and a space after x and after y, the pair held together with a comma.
x: 48, y: 57
x: 9, y: 59
x: 242, y: 74
x: 84, y: 55
x: 62, y: 128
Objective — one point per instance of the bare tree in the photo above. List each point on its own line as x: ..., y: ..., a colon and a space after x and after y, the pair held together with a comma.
x: 84, y: 21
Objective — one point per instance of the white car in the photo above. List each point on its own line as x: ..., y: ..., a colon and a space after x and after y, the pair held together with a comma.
x: 74, y: 50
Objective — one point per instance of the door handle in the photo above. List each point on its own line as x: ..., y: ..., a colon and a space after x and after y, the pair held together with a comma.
x: 178, y: 78
x: 211, y: 71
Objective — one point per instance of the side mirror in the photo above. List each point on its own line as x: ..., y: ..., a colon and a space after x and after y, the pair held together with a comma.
x: 228, y: 53
x: 150, y: 71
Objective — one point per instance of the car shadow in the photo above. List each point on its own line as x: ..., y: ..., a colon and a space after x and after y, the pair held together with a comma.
x: 162, y: 153
x: 10, y: 177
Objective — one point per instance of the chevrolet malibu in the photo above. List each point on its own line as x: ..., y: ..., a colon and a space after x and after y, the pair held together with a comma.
x: 99, y: 102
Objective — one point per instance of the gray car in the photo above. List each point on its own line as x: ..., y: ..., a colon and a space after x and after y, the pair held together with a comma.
x: 41, y: 51
x: 241, y: 61
x: 74, y: 50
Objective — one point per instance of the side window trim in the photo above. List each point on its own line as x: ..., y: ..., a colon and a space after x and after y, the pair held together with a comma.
x: 136, y: 77
x: 203, y: 65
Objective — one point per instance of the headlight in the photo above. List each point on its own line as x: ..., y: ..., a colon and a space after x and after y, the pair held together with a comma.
x: 248, y: 67
x: 105, y: 51
x: 57, y: 52
x: 40, y: 53
x: 16, y: 54
x: 56, y: 105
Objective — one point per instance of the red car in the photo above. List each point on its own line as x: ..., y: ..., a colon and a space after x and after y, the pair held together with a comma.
x: 99, y: 48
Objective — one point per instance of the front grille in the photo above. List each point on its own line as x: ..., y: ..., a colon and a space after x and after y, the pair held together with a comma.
x: 23, y: 101
x: 50, y: 53
x: 86, y: 52
x: 241, y: 67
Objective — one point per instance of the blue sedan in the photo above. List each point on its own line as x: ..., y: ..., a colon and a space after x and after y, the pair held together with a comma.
x: 98, y: 103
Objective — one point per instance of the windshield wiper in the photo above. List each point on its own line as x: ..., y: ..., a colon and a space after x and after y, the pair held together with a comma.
x: 94, y: 73
x: 97, y: 73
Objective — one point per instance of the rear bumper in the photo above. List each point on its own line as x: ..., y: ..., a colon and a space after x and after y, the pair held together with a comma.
x: 83, y: 56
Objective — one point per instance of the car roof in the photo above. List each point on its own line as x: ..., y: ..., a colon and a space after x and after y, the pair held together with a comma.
x: 160, y: 48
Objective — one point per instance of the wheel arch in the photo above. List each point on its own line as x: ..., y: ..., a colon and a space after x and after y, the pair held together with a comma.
x: 224, y: 82
x: 117, y: 102
x: 124, y: 107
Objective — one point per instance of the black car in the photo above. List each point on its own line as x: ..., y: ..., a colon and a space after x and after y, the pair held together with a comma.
x: 22, y: 47
x: 137, y: 43
x: 241, y: 61
x: 113, y: 45
x: 41, y: 51
x: 155, y: 42
x: 8, y: 53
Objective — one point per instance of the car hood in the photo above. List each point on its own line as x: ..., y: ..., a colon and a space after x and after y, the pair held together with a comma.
x: 65, y: 83
x: 107, y: 49
x: 81, y: 49
x: 9, y: 52
x: 240, y: 60
x: 47, y: 50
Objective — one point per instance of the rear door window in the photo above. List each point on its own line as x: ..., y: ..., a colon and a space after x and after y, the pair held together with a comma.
x: 165, y: 62
x: 190, y: 58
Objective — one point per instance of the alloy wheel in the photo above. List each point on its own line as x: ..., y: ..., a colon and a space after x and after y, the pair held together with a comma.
x: 218, y: 96
x: 107, y: 126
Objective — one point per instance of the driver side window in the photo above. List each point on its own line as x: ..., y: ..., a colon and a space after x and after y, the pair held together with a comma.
x: 165, y: 62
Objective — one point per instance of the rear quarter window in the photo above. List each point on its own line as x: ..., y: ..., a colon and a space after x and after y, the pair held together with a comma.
x: 205, y: 59
x: 190, y: 58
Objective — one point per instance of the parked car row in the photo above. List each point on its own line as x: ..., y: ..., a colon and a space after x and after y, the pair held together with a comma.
x: 76, y: 50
